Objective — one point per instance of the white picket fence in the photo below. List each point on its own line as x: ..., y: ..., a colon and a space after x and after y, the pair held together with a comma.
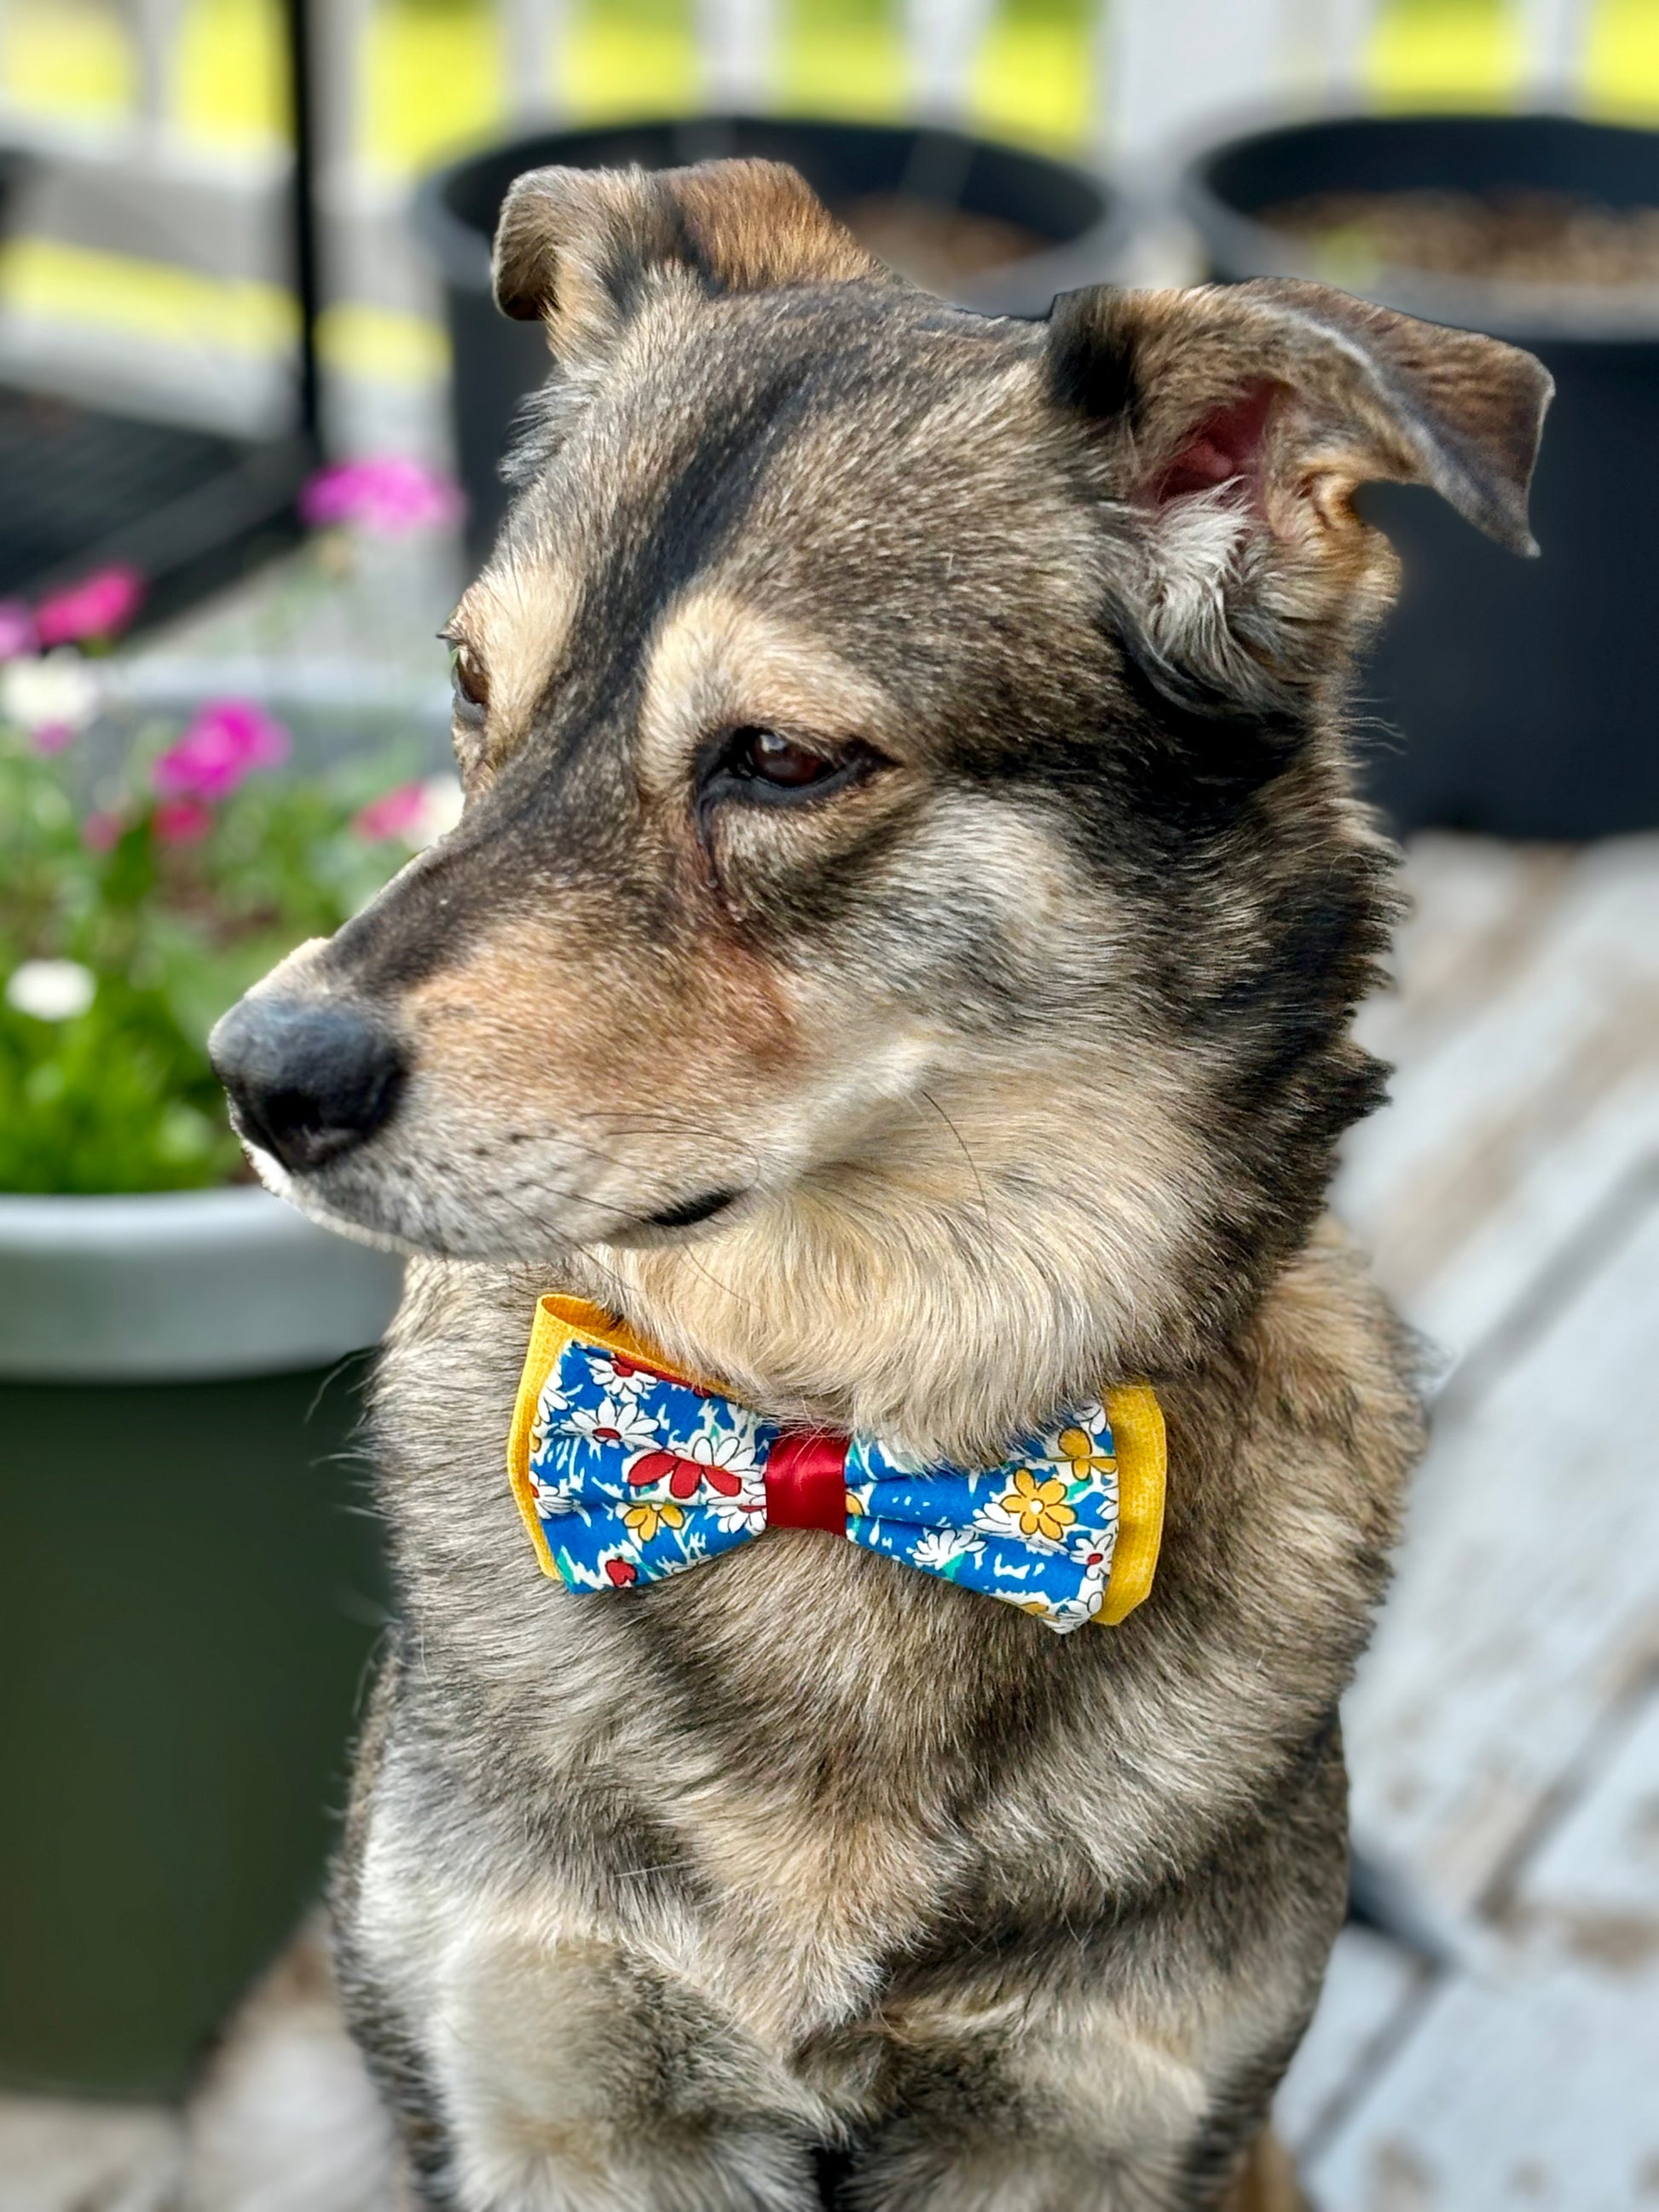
x: 1162, y: 68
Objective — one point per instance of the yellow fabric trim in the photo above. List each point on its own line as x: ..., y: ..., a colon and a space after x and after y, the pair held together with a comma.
x: 549, y: 1333
x: 1137, y: 1420
x: 558, y: 1321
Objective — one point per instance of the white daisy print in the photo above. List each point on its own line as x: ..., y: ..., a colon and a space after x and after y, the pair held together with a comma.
x: 1093, y: 1552
x: 614, y: 1421
x: 550, y: 1500
x: 732, y: 1516
x: 616, y: 1377
x: 940, y: 1548
x: 733, y: 1451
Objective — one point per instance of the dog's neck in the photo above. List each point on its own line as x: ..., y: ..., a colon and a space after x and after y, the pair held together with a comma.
x: 951, y: 1296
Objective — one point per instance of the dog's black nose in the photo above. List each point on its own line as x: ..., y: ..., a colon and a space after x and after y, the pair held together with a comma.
x: 308, y: 1078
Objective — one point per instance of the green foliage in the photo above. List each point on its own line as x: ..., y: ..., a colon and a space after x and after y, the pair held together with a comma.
x: 173, y: 911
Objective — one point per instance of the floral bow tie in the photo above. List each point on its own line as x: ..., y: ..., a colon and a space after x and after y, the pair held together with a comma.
x: 625, y: 1471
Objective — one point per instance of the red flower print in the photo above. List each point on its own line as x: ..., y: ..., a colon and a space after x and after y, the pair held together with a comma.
x: 691, y: 1474
x: 621, y: 1572
x: 651, y: 1466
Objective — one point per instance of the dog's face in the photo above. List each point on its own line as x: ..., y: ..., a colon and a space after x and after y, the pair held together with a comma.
x: 908, y: 907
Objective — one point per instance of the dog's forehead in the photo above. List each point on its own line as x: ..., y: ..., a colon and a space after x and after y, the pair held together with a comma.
x: 843, y: 455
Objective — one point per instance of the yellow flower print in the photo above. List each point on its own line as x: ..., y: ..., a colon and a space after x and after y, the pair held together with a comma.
x: 1039, y: 1507
x: 854, y: 1506
x: 1078, y: 1446
x: 644, y: 1521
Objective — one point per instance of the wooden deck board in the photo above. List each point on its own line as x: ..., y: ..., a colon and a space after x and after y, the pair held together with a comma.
x: 1526, y: 1084
x: 1525, y: 1607
x: 1505, y: 1730
x: 58, y: 2155
x: 1534, y: 2091
x: 1367, y: 1993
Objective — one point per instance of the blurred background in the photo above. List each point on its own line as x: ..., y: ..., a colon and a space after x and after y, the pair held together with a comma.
x: 252, y: 395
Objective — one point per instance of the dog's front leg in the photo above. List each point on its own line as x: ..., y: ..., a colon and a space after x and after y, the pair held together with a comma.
x: 1142, y: 2086
x: 538, y: 2075
x: 976, y: 2128
x: 574, y: 2079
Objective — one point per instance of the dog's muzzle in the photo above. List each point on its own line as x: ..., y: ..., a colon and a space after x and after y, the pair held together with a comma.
x: 308, y: 1078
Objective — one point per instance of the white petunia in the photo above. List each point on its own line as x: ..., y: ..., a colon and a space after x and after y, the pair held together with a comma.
x: 55, y: 691
x: 52, y: 990
x: 441, y: 800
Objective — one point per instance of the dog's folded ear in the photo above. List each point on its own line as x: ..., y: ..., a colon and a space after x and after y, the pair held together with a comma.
x: 578, y: 248
x: 1234, y: 423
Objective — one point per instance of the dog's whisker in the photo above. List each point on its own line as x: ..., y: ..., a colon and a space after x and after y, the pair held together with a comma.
x: 973, y: 1165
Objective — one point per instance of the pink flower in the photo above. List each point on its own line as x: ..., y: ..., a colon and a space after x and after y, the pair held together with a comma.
x: 99, y: 832
x: 17, y: 631
x: 227, y: 740
x: 97, y: 607
x: 182, y: 821
x: 398, y: 813
x: 52, y: 737
x: 416, y: 813
x: 386, y: 497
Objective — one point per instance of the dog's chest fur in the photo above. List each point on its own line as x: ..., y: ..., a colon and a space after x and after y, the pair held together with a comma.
x: 813, y: 1786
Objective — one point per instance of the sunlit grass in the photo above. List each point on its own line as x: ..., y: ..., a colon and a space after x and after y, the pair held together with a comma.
x: 631, y: 58
x: 1034, y: 77
x: 381, y: 345
x: 69, y: 58
x: 233, y: 75
x: 1447, y: 53
x: 433, y: 74
x: 1622, y: 75
x: 841, y: 57
x: 148, y: 300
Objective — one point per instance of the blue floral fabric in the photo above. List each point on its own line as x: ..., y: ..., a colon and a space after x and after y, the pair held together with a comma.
x: 635, y: 1475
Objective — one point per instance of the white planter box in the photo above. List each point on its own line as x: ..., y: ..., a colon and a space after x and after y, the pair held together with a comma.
x: 180, y: 1286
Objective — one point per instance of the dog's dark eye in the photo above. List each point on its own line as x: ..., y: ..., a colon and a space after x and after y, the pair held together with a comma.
x: 771, y: 758
x: 471, y: 685
x: 770, y: 765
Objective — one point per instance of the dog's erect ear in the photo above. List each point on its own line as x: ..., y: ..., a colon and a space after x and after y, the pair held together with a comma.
x: 1239, y: 420
x: 575, y: 248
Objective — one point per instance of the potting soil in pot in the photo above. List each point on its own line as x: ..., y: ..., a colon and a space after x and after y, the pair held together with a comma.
x: 934, y: 245
x: 1538, y: 238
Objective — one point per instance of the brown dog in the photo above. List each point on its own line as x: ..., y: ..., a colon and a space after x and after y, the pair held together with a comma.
x: 899, y: 955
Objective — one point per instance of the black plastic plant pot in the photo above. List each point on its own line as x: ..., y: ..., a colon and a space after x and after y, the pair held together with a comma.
x: 190, y: 1592
x: 1070, y: 225
x: 1520, y: 692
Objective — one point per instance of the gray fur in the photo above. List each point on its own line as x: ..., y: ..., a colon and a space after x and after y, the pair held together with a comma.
x: 1011, y: 1067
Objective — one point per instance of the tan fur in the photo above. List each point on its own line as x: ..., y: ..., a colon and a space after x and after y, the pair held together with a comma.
x: 517, y: 618
x: 1002, y: 1060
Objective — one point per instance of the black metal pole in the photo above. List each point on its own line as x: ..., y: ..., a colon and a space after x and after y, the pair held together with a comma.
x: 304, y: 225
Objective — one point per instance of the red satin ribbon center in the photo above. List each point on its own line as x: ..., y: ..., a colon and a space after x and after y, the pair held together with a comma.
x: 807, y: 1482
